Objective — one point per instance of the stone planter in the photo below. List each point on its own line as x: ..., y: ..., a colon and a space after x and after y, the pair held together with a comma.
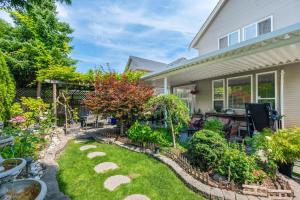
x: 6, y: 140
x: 19, y: 185
x: 18, y: 165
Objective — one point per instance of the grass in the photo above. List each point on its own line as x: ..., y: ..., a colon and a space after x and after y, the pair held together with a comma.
x: 150, y: 177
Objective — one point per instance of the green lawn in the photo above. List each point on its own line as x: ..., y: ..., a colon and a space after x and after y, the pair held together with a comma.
x: 79, y: 181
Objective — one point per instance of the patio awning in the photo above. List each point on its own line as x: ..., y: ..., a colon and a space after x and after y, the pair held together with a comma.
x: 273, y: 49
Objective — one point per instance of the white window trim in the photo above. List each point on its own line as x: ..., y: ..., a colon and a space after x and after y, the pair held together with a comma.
x: 213, y: 95
x: 237, y: 77
x: 227, y: 35
x: 256, y: 24
x: 276, y: 87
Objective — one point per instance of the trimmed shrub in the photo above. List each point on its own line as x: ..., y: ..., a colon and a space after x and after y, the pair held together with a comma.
x: 214, y: 124
x: 7, y: 90
x: 140, y: 133
x: 239, y: 167
x: 206, y: 149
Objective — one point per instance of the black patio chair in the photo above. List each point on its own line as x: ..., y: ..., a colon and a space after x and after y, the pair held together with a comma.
x: 258, y: 117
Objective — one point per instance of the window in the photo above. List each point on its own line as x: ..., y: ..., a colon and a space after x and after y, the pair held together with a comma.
x: 239, y: 91
x: 223, y: 42
x: 218, y: 95
x: 229, y: 40
x: 266, y: 88
x: 184, y: 93
x: 233, y: 38
x: 259, y: 28
x: 250, y: 32
x: 264, y: 26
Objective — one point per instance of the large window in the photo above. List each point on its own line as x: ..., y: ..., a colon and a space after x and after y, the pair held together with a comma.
x: 266, y: 88
x: 218, y: 94
x: 259, y: 28
x: 229, y: 39
x: 184, y: 93
x: 239, y: 91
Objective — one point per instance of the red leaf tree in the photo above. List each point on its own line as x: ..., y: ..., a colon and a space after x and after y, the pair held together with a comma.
x: 119, y: 97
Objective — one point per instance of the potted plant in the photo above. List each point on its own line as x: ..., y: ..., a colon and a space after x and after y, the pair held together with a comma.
x: 282, y: 147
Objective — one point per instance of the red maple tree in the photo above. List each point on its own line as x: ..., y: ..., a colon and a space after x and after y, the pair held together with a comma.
x: 119, y: 97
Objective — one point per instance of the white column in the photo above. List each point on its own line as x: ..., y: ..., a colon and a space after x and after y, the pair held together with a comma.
x: 165, y: 85
x: 282, y: 96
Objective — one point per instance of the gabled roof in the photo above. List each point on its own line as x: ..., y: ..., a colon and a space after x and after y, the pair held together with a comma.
x: 137, y: 63
x: 208, y: 21
x: 177, y: 61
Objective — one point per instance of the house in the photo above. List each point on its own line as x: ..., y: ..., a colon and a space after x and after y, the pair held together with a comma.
x: 249, y: 51
x: 141, y: 64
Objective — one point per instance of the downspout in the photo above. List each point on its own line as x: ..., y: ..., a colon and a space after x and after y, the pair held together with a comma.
x: 282, y: 96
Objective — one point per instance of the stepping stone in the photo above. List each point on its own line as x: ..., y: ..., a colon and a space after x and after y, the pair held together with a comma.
x: 113, y: 182
x: 95, y: 154
x: 137, y: 197
x: 86, y: 147
x: 81, y: 141
x: 105, y: 166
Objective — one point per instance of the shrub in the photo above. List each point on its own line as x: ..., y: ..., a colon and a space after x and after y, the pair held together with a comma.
x: 239, y: 167
x: 7, y: 90
x: 214, y: 124
x: 162, y: 137
x: 140, y: 133
x: 206, y: 149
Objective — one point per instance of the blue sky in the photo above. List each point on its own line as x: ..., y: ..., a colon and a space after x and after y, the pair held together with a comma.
x: 108, y: 31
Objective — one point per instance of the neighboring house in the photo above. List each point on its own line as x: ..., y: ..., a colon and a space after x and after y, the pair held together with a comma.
x: 249, y: 51
x: 142, y: 64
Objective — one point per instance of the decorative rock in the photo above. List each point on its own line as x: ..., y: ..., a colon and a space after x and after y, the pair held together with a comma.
x: 86, y: 147
x: 105, y: 166
x: 95, y: 154
x: 241, y: 197
x: 113, y: 182
x: 137, y: 197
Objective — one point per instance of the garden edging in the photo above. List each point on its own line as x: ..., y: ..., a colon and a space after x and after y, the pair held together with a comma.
x: 206, y: 190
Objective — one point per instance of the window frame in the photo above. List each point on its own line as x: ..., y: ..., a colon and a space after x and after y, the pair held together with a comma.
x: 256, y: 25
x: 237, y: 77
x: 227, y: 35
x: 213, y: 94
x: 276, y: 87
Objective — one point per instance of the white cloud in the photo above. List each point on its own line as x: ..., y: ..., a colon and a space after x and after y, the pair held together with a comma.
x: 5, y: 16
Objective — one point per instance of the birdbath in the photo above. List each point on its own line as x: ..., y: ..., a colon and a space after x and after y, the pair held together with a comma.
x: 5, y: 141
x: 29, y: 189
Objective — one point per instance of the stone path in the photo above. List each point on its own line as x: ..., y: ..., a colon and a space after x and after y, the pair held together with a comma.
x: 137, y: 197
x: 79, y: 141
x: 96, y: 154
x: 86, y: 147
x: 113, y: 182
x: 105, y: 166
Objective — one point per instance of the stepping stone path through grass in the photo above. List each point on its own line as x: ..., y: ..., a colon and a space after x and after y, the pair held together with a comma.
x: 137, y: 197
x: 86, y: 147
x: 95, y: 154
x: 105, y: 166
x: 113, y: 182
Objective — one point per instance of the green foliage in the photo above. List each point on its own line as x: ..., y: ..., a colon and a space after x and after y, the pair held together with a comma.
x: 35, y: 111
x: 214, y: 124
x: 239, y: 167
x: 26, y: 144
x: 282, y: 146
x: 143, y: 133
x: 24, y: 4
x: 175, y: 111
x: 7, y: 89
x: 37, y: 41
x: 206, y: 148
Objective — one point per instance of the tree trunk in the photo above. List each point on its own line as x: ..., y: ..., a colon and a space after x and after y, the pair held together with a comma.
x: 173, y: 133
x: 38, y: 90
x: 54, y: 103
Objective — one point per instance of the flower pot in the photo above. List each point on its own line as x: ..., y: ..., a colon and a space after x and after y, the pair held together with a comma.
x: 156, y: 150
x: 286, y: 168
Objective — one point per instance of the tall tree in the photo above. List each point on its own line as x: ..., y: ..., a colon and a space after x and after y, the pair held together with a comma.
x: 7, y: 89
x: 120, y: 97
x: 38, y: 40
x: 25, y: 4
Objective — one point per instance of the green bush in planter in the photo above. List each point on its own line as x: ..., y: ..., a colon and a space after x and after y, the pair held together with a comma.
x: 206, y: 149
x: 239, y: 167
x: 214, y: 124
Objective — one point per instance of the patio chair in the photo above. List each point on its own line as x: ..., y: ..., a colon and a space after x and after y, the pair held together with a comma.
x: 196, y: 123
x: 90, y: 119
x: 258, y: 117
